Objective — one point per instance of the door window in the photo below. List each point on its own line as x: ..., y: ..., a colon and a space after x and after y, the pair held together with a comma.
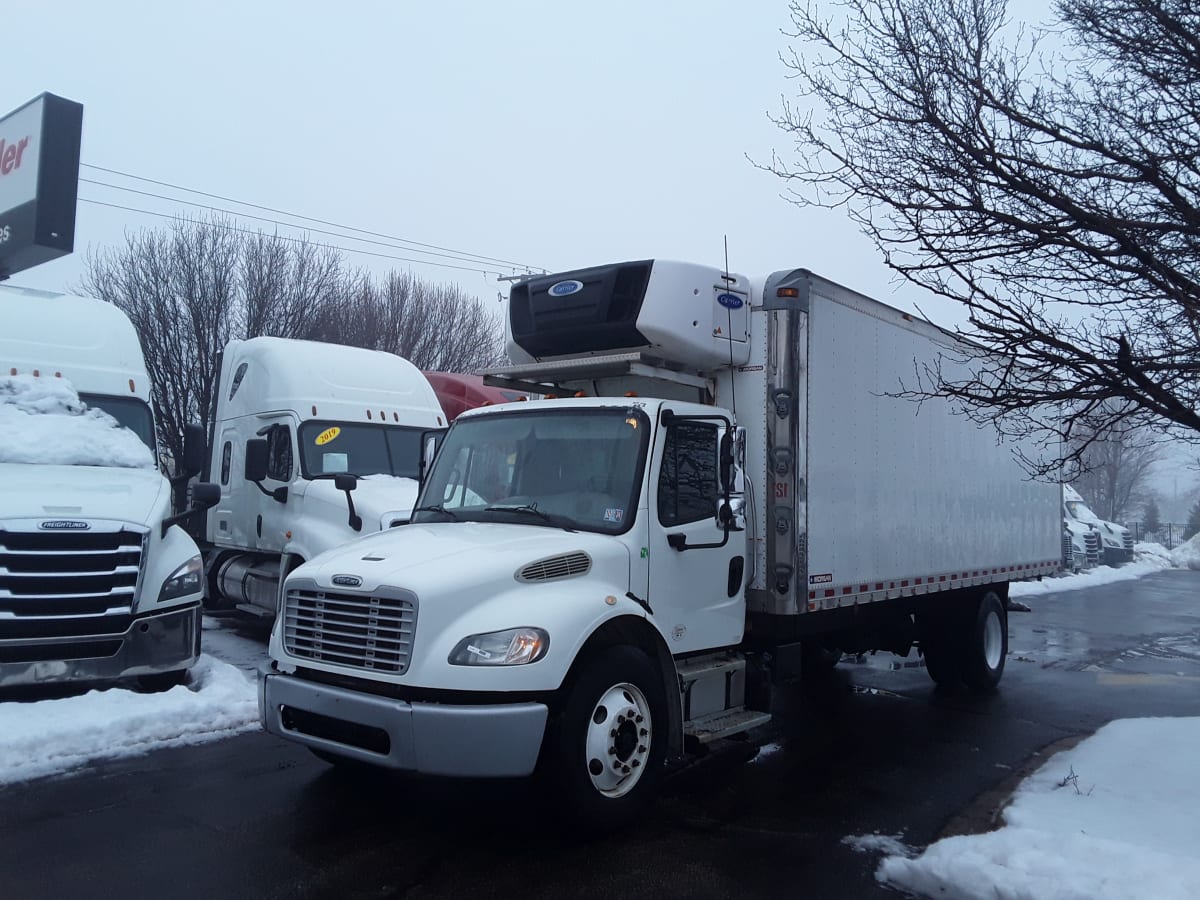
x: 279, y: 453
x: 687, y: 482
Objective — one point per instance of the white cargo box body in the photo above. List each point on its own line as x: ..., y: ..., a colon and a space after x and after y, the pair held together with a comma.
x: 881, y: 497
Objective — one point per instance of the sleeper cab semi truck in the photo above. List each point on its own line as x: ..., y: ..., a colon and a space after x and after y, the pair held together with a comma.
x: 1115, y: 541
x: 97, y: 579
x: 715, y: 487
x: 313, y: 444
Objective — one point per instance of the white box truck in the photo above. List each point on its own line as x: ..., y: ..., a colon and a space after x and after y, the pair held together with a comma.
x: 97, y: 579
x: 715, y: 488
x: 313, y: 444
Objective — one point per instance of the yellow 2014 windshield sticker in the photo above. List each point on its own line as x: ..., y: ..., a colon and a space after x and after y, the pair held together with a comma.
x: 327, y: 435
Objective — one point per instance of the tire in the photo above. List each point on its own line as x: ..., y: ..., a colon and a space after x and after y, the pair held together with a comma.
x: 162, y: 681
x: 817, y: 661
x: 938, y: 648
x: 606, y: 747
x: 985, y: 644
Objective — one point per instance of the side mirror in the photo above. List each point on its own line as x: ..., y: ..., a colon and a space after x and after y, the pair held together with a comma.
x: 203, y: 495
x: 346, y: 482
x: 194, y: 449
x: 726, y: 461
x: 256, y: 459
x: 431, y: 442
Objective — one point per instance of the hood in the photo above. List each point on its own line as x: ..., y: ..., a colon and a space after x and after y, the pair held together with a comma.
x: 451, y: 555
x: 85, y: 492
x: 376, y: 497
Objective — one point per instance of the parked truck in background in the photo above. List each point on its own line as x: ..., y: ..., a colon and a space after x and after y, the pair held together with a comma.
x: 313, y: 444
x: 1115, y: 541
x: 716, y: 488
x: 97, y: 579
x: 458, y: 392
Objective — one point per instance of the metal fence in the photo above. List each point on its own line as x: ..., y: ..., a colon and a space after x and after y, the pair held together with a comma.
x: 1168, y: 534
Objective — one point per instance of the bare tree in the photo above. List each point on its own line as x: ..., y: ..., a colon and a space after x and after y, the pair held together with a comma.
x: 1047, y: 181
x: 192, y: 287
x: 435, y: 327
x: 179, y: 288
x: 1117, y: 469
x: 286, y: 283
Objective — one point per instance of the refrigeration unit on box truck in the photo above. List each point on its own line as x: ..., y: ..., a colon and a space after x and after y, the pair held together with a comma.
x: 313, y: 444
x: 97, y: 579
x: 718, y: 485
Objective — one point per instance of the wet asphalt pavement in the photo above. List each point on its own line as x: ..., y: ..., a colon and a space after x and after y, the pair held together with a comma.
x: 873, y: 749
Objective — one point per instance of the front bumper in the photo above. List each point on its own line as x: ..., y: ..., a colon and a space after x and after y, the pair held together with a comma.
x: 164, y: 642
x: 485, y: 741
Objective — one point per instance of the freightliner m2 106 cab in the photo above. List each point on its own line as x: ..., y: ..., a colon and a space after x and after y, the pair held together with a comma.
x: 97, y: 579
x: 716, y: 487
x: 313, y: 444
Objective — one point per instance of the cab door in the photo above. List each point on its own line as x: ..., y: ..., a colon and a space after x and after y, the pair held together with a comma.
x: 697, y: 567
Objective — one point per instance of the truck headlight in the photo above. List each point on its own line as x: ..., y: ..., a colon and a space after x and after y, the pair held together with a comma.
x: 514, y: 647
x: 184, y: 580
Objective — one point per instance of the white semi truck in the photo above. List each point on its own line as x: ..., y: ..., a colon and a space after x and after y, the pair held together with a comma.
x: 715, y: 488
x: 97, y: 579
x: 313, y: 444
x: 1115, y: 541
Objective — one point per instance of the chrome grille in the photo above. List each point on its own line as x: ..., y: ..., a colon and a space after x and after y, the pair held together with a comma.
x: 1091, y: 541
x: 358, y: 630
x: 577, y: 563
x: 68, y: 573
x: 1127, y: 541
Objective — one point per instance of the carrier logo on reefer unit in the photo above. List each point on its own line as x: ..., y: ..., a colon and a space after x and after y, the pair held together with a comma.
x: 730, y: 301
x: 63, y: 525
x: 565, y: 288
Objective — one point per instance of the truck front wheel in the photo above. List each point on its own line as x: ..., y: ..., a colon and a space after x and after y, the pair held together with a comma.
x: 607, y: 746
x: 986, y: 644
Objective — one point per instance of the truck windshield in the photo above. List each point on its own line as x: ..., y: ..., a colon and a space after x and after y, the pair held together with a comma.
x: 334, y: 448
x: 132, y: 413
x: 1079, y: 511
x: 575, y: 468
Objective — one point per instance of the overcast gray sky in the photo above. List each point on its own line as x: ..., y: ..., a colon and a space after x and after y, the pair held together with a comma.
x: 544, y: 132
x: 554, y: 134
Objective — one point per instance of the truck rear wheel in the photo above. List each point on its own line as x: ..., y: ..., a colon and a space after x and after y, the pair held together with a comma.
x: 607, y: 745
x: 986, y: 644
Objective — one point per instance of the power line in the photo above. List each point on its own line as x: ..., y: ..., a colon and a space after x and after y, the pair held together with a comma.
x: 291, y: 215
x: 274, y: 221
x: 293, y: 240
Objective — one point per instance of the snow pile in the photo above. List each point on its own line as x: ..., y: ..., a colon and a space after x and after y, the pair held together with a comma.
x: 1113, y: 817
x: 42, y: 420
x: 1146, y: 561
x: 1187, y: 556
x: 52, y: 736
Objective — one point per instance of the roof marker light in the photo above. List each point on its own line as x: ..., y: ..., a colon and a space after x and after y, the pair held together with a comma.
x: 631, y: 393
x: 788, y: 292
x: 132, y: 389
x: 580, y: 394
x: 314, y: 410
x: 38, y: 374
x: 368, y: 414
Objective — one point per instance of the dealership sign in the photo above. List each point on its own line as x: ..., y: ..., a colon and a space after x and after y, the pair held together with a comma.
x: 39, y: 181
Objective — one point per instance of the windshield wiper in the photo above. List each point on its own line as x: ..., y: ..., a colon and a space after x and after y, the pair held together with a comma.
x: 437, y: 508
x: 531, y: 508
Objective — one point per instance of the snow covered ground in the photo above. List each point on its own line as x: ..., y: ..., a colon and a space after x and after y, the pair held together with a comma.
x: 50, y: 737
x: 1094, y: 822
